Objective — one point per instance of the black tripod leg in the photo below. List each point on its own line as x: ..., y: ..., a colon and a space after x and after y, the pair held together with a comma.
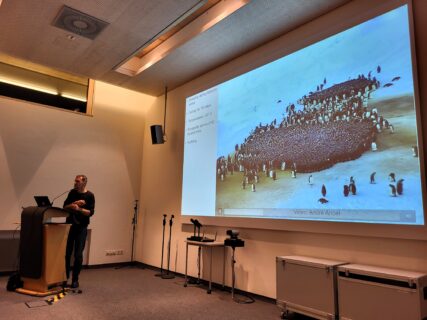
x: 233, y: 275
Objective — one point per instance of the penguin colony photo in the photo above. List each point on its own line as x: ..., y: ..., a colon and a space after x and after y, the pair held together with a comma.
x: 377, y: 187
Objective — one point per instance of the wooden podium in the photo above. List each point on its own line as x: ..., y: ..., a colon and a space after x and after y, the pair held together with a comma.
x: 43, y: 255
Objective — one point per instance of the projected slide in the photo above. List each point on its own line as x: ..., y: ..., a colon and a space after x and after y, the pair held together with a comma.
x: 327, y: 133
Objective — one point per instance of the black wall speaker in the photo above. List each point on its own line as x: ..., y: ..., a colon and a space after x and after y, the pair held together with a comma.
x: 156, y: 134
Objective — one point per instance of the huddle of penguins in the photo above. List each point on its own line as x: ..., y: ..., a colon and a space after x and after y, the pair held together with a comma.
x: 396, y: 188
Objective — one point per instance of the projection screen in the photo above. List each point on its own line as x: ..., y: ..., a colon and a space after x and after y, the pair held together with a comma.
x: 327, y: 133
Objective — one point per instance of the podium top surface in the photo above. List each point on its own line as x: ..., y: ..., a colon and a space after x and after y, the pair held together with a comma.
x: 395, y: 274
x: 205, y: 244
x: 310, y: 261
x: 54, y: 212
x: 48, y: 212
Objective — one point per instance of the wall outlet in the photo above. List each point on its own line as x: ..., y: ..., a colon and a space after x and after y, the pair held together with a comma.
x: 118, y: 252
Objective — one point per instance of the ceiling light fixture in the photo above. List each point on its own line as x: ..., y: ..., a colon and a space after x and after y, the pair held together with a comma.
x: 135, y: 65
x: 27, y: 86
x: 69, y: 96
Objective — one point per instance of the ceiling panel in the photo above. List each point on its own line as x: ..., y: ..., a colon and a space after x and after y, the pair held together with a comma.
x: 27, y: 33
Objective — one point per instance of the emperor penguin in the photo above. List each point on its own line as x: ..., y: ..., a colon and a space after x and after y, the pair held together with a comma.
x: 352, y: 188
x: 399, y: 187
x: 392, y: 190
x: 323, y: 190
x: 346, y: 190
x: 373, y: 177
x: 415, y: 151
x: 283, y: 167
x: 323, y: 200
x: 310, y: 180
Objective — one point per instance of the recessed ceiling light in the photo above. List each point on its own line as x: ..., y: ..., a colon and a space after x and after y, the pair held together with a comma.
x: 79, y: 23
x: 136, y: 64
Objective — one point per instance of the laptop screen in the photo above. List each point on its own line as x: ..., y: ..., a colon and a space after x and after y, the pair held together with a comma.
x: 42, y: 201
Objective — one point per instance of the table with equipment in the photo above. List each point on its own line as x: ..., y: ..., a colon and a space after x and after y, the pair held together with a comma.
x: 210, y: 245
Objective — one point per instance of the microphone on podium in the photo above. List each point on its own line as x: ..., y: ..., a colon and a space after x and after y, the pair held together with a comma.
x: 59, y: 196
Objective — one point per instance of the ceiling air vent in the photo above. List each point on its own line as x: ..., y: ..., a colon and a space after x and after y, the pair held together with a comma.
x: 79, y: 23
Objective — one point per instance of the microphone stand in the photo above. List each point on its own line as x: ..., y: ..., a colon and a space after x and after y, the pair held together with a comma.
x: 169, y: 275
x: 134, y: 222
x: 163, y: 245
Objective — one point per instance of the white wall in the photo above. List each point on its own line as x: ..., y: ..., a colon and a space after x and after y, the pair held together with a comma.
x: 43, y: 148
x: 162, y: 176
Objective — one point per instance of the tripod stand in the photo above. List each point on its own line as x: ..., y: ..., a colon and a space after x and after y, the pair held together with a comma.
x: 233, y: 273
x: 233, y: 282
x: 163, y: 245
x: 168, y: 275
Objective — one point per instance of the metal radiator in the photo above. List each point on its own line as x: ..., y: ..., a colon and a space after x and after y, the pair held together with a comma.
x: 9, y: 248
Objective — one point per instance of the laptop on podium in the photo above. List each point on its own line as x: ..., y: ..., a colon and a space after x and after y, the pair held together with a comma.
x: 42, y: 201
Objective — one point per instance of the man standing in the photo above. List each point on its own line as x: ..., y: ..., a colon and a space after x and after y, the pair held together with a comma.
x: 81, y: 204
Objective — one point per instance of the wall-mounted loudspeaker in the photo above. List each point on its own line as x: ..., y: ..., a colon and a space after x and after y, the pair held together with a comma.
x: 157, y: 134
